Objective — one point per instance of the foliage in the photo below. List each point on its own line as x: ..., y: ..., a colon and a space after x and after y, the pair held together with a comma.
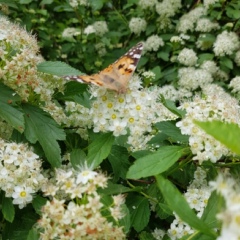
x: 160, y: 145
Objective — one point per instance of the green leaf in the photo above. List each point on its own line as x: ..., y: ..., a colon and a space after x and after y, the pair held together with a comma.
x: 22, y: 224
x: 38, y: 202
x: 33, y: 235
x: 8, y: 108
x: 96, y: 5
x: 119, y: 161
x: 77, y: 158
x: 112, y: 189
x: 169, y: 128
x: 10, y: 3
x: 146, y: 236
x: 8, y: 209
x: 179, y: 205
x: 226, y: 133
x: 157, y: 71
x: 170, y: 105
x: 43, y: 2
x: 126, y: 220
x: 76, y: 92
x: 155, y: 163
x: 140, y: 212
x: 164, y: 56
x: 99, y: 149
x: 214, y: 206
x: 57, y: 68
x: 226, y: 62
x: 42, y: 128
x: 25, y: 1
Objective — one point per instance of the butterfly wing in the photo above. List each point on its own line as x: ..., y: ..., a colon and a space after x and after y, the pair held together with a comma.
x: 117, y: 75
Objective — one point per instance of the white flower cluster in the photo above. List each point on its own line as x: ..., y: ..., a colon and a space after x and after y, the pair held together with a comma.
x: 98, y: 27
x: 70, y: 32
x: 132, y: 113
x: 153, y: 43
x: 206, y: 25
x: 226, y: 44
x: 187, y: 57
x: 75, y: 3
x: 168, y: 8
x: 20, y: 172
x: 215, y: 105
x: 228, y: 187
x: 187, y: 21
x: 137, y: 25
x: 237, y: 58
x: 191, y: 78
x: 76, y: 209
x: 144, y: 4
x: 18, y: 69
x: 235, y: 84
x: 208, y: 3
x: 197, y: 195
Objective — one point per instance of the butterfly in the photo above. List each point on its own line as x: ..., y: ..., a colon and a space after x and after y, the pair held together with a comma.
x: 117, y: 75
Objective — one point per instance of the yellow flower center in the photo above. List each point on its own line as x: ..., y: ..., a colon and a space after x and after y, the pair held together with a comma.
x: 104, y: 98
x: 23, y: 194
x: 131, y: 120
x: 138, y: 107
x: 110, y: 105
x: 121, y: 100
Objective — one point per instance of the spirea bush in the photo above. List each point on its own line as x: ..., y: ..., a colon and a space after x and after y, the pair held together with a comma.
x: 159, y: 161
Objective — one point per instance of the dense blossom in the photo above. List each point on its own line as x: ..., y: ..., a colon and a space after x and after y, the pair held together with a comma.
x: 153, y: 43
x: 226, y: 43
x: 205, y: 25
x: 20, y: 172
x: 124, y: 112
x: 137, y: 25
x: 187, y: 21
x: 82, y: 218
x: 197, y: 195
x: 228, y: 187
x: 70, y: 32
x: 75, y: 3
x: 18, y: 70
x: 215, y: 104
x: 168, y: 8
x: 192, y: 78
x: 187, y: 57
x: 147, y: 3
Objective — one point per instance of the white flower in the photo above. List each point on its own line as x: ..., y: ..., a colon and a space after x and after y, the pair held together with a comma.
x: 22, y: 196
x: 70, y: 32
x: 215, y: 105
x: 188, y: 20
x: 89, y: 29
x: 168, y: 8
x: 75, y: 3
x: 237, y: 58
x: 226, y: 43
x: 205, y: 25
x: 100, y: 28
x: 147, y: 3
x: 187, y: 57
x: 192, y: 78
x: 153, y: 43
x: 85, y: 175
x: 137, y: 25
x: 235, y: 84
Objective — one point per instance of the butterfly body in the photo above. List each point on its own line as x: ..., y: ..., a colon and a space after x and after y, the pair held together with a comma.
x: 117, y: 75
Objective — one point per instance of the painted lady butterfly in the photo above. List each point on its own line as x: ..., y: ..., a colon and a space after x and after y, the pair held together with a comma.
x: 117, y: 75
